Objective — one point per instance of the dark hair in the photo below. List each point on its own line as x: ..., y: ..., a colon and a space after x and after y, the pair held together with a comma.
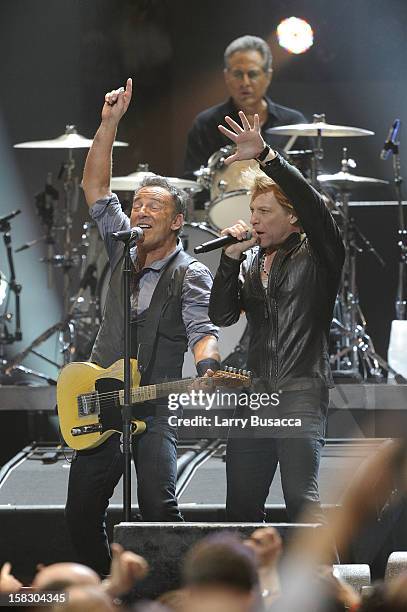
x: 180, y: 197
x: 250, y: 43
x: 221, y: 559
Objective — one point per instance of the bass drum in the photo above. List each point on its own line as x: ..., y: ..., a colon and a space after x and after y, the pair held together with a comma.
x: 233, y: 339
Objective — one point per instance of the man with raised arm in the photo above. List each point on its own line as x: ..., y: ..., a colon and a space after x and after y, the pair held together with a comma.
x: 170, y: 294
x: 285, y: 278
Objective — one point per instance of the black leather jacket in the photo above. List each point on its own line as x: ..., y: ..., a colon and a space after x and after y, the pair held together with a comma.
x: 289, y: 322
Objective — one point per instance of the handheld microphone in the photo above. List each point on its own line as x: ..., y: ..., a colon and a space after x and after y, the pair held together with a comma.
x: 132, y: 235
x: 218, y: 243
x: 391, y: 140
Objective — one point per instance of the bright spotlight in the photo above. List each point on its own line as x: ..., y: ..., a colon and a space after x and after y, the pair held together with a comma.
x: 295, y: 35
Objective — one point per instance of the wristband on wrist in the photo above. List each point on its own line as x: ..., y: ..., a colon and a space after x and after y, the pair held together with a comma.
x: 260, y: 158
x: 207, y: 364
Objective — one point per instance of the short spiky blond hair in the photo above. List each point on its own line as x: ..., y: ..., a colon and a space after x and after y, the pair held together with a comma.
x: 257, y: 182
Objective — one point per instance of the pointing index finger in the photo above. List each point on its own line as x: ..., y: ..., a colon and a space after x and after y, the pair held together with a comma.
x: 129, y: 86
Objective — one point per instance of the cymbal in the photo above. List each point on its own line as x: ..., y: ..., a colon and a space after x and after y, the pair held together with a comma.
x: 326, y: 130
x: 346, y: 181
x: 70, y: 140
x: 132, y: 181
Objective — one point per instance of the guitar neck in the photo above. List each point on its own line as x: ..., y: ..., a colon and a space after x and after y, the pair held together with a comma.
x: 151, y: 392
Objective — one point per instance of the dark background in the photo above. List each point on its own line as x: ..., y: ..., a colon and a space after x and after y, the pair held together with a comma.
x: 60, y: 56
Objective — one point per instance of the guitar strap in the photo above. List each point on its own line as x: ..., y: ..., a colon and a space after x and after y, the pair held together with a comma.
x: 170, y: 283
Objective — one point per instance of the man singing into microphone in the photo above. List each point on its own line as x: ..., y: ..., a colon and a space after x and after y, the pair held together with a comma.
x: 285, y: 278
x: 170, y: 294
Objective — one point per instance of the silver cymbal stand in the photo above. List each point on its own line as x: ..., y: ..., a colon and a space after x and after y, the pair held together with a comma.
x: 318, y: 151
x: 357, y: 348
x: 70, y: 186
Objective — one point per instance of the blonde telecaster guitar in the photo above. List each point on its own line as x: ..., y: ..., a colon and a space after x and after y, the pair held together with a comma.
x: 89, y: 398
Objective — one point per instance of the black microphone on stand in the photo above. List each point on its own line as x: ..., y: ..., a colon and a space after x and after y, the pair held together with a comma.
x: 219, y: 243
x: 132, y: 235
x: 4, y: 220
x: 391, y: 140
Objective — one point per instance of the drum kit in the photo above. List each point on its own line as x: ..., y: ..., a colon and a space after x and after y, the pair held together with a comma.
x: 352, y: 350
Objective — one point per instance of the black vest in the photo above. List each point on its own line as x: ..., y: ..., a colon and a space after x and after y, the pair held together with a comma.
x: 159, y: 338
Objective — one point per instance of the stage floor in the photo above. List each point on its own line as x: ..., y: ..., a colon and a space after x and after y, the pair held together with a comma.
x: 32, y: 481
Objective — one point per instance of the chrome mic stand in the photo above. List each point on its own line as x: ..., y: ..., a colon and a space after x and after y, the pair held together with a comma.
x: 391, y: 146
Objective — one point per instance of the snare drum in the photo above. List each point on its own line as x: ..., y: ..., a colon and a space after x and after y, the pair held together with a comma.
x: 194, y: 234
x: 229, y: 200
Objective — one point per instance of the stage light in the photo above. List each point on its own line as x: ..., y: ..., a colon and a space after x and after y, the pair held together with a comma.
x: 295, y: 35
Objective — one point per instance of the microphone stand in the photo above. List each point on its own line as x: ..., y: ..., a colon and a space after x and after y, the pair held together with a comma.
x: 126, y: 410
x: 401, y: 299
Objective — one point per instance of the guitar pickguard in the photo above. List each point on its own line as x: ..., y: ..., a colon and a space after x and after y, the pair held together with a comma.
x: 110, y: 414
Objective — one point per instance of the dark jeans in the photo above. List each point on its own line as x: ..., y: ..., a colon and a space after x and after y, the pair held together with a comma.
x: 95, y: 473
x: 250, y: 468
x: 251, y: 463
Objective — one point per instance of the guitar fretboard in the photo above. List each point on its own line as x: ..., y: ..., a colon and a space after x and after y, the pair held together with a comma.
x: 150, y: 392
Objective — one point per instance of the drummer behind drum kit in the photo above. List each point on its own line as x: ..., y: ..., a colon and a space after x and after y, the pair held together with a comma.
x: 352, y: 351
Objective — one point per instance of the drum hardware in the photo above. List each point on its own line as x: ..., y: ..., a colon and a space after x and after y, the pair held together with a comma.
x: 73, y: 319
x: 204, y: 177
x: 131, y: 182
x: 318, y: 129
x: 67, y: 330
x: 301, y: 159
x: 6, y: 288
x: 69, y: 140
x: 9, y: 286
x: 354, y: 349
x: 346, y: 181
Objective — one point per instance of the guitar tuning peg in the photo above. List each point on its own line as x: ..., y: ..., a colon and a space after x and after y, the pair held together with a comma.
x: 234, y: 370
x: 244, y: 372
x: 227, y: 368
x: 249, y: 373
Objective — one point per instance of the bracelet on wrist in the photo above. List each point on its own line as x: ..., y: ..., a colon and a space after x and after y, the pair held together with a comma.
x: 262, y: 156
x: 207, y: 364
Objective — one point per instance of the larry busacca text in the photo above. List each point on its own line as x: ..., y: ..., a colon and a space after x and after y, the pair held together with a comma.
x: 243, y: 406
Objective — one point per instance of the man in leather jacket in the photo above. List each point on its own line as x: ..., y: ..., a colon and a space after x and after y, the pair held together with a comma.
x: 287, y: 284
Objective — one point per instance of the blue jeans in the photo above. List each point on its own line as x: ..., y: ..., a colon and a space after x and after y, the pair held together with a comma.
x: 94, y: 474
x: 250, y: 468
x: 251, y: 463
